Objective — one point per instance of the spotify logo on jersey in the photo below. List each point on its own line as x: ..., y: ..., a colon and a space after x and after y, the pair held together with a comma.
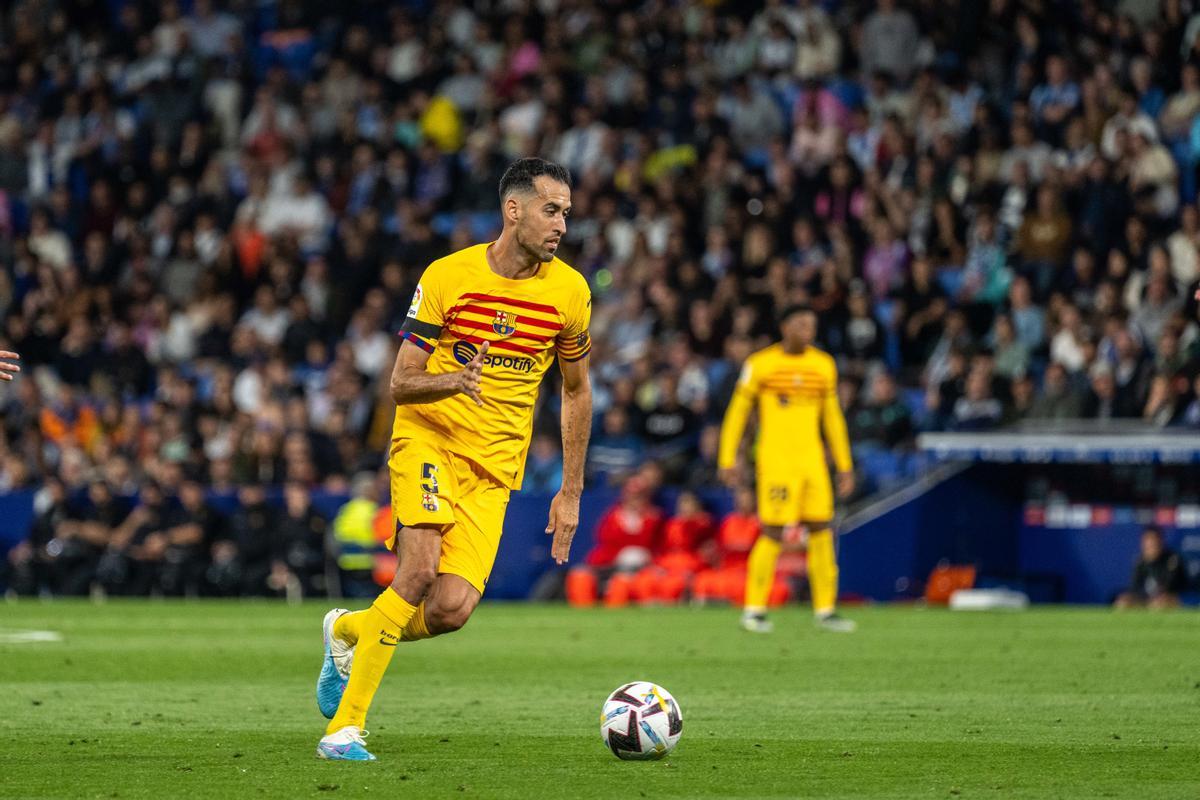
x: 464, y: 351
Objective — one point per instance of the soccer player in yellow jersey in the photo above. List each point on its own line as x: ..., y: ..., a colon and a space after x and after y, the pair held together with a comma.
x: 793, y: 386
x: 484, y: 326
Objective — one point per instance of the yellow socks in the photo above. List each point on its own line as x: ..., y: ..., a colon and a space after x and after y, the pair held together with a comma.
x: 378, y: 634
x: 346, y: 627
x: 416, y: 627
x: 822, y: 571
x: 760, y: 572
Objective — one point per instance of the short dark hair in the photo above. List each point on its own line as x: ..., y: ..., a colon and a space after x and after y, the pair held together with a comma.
x: 521, y: 173
x: 794, y: 308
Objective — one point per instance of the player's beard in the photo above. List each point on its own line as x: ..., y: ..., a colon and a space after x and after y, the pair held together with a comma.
x: 537, y: 251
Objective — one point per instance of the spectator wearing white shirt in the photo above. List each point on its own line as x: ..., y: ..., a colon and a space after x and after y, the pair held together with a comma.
x: 1068, y: 345
x: 818, y: 46
x: 1184, y: 247
x: 267, y: 318
x: 521, y: 120
x: 1026, y: 149
x: 1156, y: 309
x: 466, y: 87
x: 211, y: 32
x: 890, y: 41
x: 1129, y: 119
x: 754, y: 118
x: 1153, y: 169
x: 169, y: 34
x: 581, y: 145
x: 1182, y: 107
x: 47, y: 243
x: 269, y: 118
x: 407, y: 57
x: 303, y: 212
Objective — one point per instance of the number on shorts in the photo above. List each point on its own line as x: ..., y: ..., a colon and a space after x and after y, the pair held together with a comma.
x: 778, y: 494
x: 429, y: 473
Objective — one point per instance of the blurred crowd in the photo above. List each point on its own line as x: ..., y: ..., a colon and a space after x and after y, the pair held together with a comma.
x: 213, y: 215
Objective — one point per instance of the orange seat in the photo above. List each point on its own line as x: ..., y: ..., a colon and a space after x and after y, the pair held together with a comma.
x: 582, y: 588
x: 946, y: 580
x: 619, y: 591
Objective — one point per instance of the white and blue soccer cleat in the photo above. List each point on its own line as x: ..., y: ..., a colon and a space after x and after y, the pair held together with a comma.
x: 756, y: 622
x: 335, y: 667
x: 832, y: 621
x: 344, y: 745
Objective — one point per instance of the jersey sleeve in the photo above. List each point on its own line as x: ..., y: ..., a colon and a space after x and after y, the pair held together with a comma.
x: 426, y: 314
x: 733, y: 426
x: 834, y: 424
x: 574, y: 341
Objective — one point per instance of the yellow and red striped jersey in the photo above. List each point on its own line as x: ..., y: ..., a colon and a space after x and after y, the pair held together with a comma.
x: 796, y: 396
x: 461, y: 303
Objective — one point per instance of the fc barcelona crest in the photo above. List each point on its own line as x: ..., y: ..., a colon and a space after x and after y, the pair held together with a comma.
x: 429, y: 502
x: 505, y: 323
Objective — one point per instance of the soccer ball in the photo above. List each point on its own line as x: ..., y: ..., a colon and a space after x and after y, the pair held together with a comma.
x: 640, y: 721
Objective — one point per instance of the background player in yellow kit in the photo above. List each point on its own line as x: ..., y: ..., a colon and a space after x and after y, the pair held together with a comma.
x: 793, y: 386
x: 484, y: 326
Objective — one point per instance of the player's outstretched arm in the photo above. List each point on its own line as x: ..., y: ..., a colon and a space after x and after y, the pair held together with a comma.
x: 834, y: 424
x: 733, y: 427
x: 7, y: 368
x: 411, y: 383
x: 576, y: 430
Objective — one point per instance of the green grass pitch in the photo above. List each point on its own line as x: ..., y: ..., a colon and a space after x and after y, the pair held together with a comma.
x: 199, y: 700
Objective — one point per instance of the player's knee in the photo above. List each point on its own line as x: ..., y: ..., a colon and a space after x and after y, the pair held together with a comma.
x: 413, y: 581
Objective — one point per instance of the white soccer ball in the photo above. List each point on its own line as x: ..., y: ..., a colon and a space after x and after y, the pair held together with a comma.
x: 640, y: 721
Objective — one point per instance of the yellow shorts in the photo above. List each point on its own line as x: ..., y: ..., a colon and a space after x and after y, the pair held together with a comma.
x: 794, y: 492
x: 434, y: 488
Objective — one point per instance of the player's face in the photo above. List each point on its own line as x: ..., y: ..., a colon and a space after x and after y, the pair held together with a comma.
x: 800, y: 330
x: 542, y: 220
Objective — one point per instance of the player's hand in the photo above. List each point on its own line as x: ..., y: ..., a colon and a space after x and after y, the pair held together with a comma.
x: 731, y: 477
x: 564, y: 520
x: 471, y: 375
x: 845, y: 484
x: 7, y: 370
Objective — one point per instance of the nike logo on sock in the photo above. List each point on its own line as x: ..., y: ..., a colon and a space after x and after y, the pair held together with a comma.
x: 384, y: 636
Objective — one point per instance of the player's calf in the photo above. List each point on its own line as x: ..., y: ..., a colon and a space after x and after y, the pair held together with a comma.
x: 446, y: 620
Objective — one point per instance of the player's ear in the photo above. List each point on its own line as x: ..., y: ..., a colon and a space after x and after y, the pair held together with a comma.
x: 512, y: 208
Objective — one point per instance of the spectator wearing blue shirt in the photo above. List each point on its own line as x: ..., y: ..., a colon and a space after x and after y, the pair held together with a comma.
x: 1030, y: 320
x: 977, y: 409
x: 616, y: 451
x: 1054, y: 101
x: 1151, y: 98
